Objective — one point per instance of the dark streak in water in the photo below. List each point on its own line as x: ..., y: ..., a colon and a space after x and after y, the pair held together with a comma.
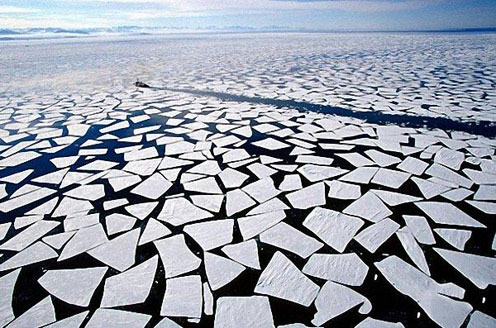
x: 483, y: 128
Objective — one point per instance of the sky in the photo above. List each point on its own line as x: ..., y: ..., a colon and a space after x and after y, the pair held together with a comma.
x: 257, y: 14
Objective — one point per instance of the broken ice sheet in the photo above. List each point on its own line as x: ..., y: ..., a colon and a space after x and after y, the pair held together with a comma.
x: 131, y: 286
x: 270, y: 144
x: 335, y: 299
x: 390, y: 178
x: 206, y: 185
x: 431, y: 296
x: 7, y: 284
x: 73, y: 286
x: 118, y: 253
x: 372, y: 237
x: 311, y: 196
x: 220, y: 271
x: 314, y: 173
x: 41, y: 314
x: 334, y: 228
x: 369, y: 207
x: 286, y: 237
x: 420, y: 229
x: 245, y: 253
x: 347, y: 269
x: 375, y: 323
x: 480, y: 270
x: 37, y: 252
x: 176, y: 256
x: 413, y: 249
x: 153, y: 187
x: 251, y: 226
x: 413, y: 165
x: 261, y: 190
x: 455, y: 237
x: 211, y: 234
x: 88, y: 192
x: 237, y: 201
x: 243, y: 312
x: 118, y: 318
x: 178, y: 211
x: 447, y: 213
x: 282, y: 279
x: 154, y: 230
x: 183, y: 297
x: 29, y: 235
x: 291, y: 182
x: 231, y: 178
x: 343, y: 190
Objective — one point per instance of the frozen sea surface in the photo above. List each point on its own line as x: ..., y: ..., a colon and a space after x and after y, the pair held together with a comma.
x: 231, y: 194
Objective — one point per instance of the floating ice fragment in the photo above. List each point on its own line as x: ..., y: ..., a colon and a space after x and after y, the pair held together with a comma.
x: 481, y: 320
x: 413, y: 165
x: 343, y: 190
x: 153, y: 187
x: 334, y: 228
x: 73, y: 321
x: 334, y: 299
x: 176, y: 256
x: 183, y: 297
x: 282, y: 279
x: 85, y: 239
x: 35, y: 253
x: 231, y: 178
x: 311, y: 196
x: 413, y: 249
x: 374, y: 323
x: 372, y: 237
x: 41, y: 314
x: 29, y: 235
x: 346, y: 269
x: 220, y: 271
x: 7, y: 284
x: 118, y: 318
x: 73, y: 286
x: 179, y: 211
x: 455, y: 237
x: 261, y: 190
x: 251, y: 226
x: 446, y: 213
x: 120, y: 252
x: 420, y: 229
x: 88, y: 192
x: 390, y: 178
x: 270, y: 144
x: 131, y: 286
x: 369, y: 207
x: 207, y: 186
x: 153, y: 231
x: 211, y: 234
x: 237, y: 201
x: 286, y: 237
x: 243, y: 312
x: 480, y: 270
x: 429, y: 294
x: 245, y: 253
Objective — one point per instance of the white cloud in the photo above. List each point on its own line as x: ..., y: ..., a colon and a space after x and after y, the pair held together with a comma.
x: 77, y: 16
x: 16, y: 10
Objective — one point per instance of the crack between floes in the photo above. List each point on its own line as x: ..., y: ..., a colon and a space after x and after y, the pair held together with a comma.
x: 483, y: 128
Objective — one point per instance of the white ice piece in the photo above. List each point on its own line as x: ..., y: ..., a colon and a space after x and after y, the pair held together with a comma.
x: 282, y: 279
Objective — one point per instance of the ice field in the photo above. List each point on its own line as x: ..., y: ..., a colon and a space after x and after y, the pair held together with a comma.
x: 271, y: 180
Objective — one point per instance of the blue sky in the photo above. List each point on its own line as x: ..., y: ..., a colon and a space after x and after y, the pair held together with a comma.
x: 293, y: 14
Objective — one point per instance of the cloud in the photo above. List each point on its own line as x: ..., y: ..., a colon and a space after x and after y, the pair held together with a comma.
x: 15, y: 10
x: 219, y: 6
